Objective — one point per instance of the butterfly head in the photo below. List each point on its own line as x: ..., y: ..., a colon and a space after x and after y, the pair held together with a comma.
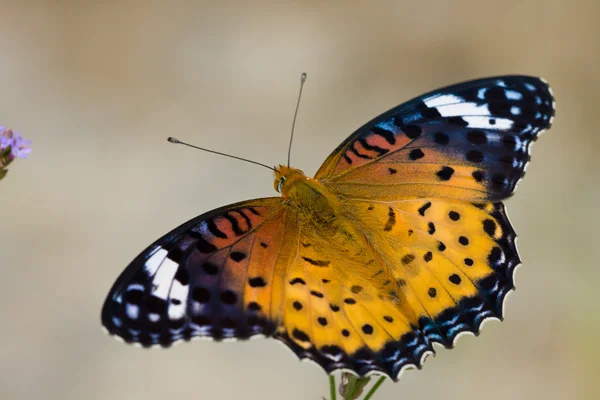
x: 285, y: 177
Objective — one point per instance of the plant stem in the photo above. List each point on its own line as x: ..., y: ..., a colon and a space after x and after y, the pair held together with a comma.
x: 374, y: 388
x: 332, y: 386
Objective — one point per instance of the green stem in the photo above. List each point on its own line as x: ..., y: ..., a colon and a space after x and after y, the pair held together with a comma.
x: 374, y: 388
x: 332, y: 386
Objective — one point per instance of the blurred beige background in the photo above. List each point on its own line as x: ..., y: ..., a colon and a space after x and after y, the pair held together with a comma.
x: 98, y: 86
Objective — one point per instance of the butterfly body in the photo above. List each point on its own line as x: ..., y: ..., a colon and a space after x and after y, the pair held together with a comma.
x: 398, y: 242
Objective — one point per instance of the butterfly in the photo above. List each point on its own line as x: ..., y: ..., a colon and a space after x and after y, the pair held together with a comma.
x: 400, y: 240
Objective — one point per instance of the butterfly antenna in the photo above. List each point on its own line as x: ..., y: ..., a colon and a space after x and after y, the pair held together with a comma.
x: 177, y: 141
x: 302, y: 80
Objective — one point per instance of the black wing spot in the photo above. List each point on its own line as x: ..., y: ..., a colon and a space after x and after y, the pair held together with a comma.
x: 489, y: 226
x: 349, y: 300
x: 413, y: 131
x: 254, y: 306
x: 408, y: 258
x: 263, y: 245
x: 316, y: 294
x: 432, y: 292
x: 391, y: 220
x: 316, y: 263
x: 322, y: 321
x: 431, y: 228
x: 392, y: 171
x: 387, y: 318
x: 367, y: 329
x: 469, y: 262
x: 135, y: 297
x: 235, y: 226
x: 463, y: 240
x: 205, y: 247
x: 455, y: 279
x: 201, y: 295
x: 474, y: 156
x: 401, y: 283
x: 424, y: 208
x: 297, y: 305
x: 156, y: 305
x: 358, y: 154
x: 356, y: 289
x: 416, y: 154
x: 478, y: 175
x: 477, y: 137
x: 297, y: 280
x: 445, y: 173
x: 369, y: 147
x: 300, y: 335
x: 387, y: 135
x: 237, y: 256
x: 441, y: 246
x: 325, y: 280
x: 212, y: 227
x: 441, y: 138
x: 345, y: 332
x: 183, y: 276
x: 428, y: 256
x: 257, y: 282
x: 210, y: 268
x: 454, y: 216
x: 334, y: 308
x: 253, y: 210
x: 228, y: 297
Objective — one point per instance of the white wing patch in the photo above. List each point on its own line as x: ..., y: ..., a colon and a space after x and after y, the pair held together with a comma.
x: 178, y: 300
x: 151, y: 266
x: 462, y: 109
x: 440, y: 100
x: 161, y: 283
x: 490, y: 123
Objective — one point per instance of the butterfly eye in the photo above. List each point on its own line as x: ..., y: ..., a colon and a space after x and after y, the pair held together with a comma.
x: 280, y: 184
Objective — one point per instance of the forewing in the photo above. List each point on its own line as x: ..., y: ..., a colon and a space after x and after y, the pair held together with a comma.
x: 468, y: 141
x: 218, y: 275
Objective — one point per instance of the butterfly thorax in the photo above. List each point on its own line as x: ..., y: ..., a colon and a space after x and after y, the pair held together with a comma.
x: 307, y: 194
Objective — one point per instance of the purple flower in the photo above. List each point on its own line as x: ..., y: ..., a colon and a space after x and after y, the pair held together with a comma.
x: 19, y: 147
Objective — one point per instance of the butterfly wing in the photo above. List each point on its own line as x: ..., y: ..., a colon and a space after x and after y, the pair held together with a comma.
x: 468, y: 141
x: 218, y: 275
x: 259, y: 267
x: 377, y: 291
x: 422, y: 183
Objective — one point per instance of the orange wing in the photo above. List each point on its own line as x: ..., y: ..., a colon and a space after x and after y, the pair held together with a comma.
x: 218, y: 275
x: 468, y: 141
